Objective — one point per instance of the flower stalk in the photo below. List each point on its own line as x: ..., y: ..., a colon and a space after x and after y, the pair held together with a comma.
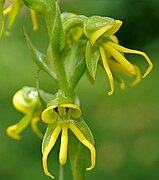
x: 77, y: 43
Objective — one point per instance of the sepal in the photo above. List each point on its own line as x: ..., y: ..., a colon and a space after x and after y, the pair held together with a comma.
x: 37, y: 5
x: 46, y: 139
x: 92, y: 58
x: 83, y: 127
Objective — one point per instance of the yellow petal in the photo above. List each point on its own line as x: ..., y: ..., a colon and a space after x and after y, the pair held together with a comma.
x: 138, y: 77
x: 7, y: 10
x: 107, y: 69
x: 84, y: 141
x: 75, y: 111
x: 114, y: 39
x: 10, y: 132
x: 119, y: 68
x: 126, y: 50
x: 95, y: 35
x: 47, y: 150
x: 64, y: 145
x: 34, y: 19
x: 49, y: 115
x: 114, y: 28
x: 34, y: 126
x: 120, y: 58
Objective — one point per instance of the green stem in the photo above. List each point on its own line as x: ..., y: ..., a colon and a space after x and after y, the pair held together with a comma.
x: 77, y: 158
x: 61, y: 174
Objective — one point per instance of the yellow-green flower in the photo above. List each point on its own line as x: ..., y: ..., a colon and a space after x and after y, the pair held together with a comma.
x: 26, y: 101
x: 13, y: 9
x: 63, y: 117
x: 102, y: 43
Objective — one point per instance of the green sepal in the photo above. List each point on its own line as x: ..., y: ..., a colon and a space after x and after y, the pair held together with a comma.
x: 39, y: 58
x: 1, y: 18
x: 57, y: 34
x: 96, y: 22
x: 70, y: 21
x: 92, y: 57
x: 14, y: 12
x: 60, y: 98
x: 37, y: 5
x: 83, y: 127
x: 46, y: 139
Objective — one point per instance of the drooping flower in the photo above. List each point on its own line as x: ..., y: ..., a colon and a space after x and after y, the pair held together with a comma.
x: 103, y: 43
x: 65, y: 117
x: 26, y: 101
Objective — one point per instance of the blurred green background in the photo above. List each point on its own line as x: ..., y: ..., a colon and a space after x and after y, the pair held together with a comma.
x: 125, y: 125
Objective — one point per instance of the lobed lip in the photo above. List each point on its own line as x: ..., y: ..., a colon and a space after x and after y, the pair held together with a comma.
x: 64, y: 145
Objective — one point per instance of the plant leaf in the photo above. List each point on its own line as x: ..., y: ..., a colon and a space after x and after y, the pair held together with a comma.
x: 39, y: 58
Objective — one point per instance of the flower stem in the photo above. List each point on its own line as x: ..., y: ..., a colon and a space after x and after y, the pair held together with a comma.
x: 61, y: 174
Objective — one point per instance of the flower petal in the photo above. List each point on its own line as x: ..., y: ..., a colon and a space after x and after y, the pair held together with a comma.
x: 64, y: 145
x: 114, y: 28
x: 126, y: 50
x: 48, y: 148
x: 49, y: 115
x: 34, y: 19
x: 107, y: 69
x: 138, y: 77
x: 7, y: 10
x: 95, y: 35
x: 75, y: 111
x: 84, y: 141
x: 120, y: 58
x: 34, y: 126
x: 14, y: 130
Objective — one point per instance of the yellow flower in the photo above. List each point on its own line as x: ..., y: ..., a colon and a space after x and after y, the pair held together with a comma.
x: 13, y: 9
x: 26, y: 101
x: 105, y: 44
x: 62, y: 118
